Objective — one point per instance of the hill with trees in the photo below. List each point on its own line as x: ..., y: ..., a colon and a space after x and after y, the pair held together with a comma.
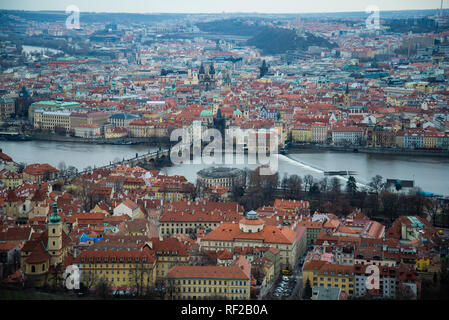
x: 279, y: 40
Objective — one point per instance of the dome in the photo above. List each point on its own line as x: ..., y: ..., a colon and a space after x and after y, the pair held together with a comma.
x: 251, y: 223
x: 206, y: 113
x: 54, y: 218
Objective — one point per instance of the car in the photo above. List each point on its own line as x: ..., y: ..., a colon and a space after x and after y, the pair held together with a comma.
x: 286, y: 294
x: 276, y: 294
x: 285, y: 278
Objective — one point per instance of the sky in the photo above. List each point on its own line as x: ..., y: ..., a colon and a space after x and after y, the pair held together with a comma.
x: 219, y: 6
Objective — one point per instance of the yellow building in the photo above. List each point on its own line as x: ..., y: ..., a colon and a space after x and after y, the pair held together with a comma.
x: 431, y: 140
x: 52, y: 120
x: 13, y: 205
x: 115, y: 133
x: 10, y: 179
x: 169, y: 253
x: 135, y: 269
x: 171, y: 195
x: 118, y: 268
x: 323, y: 274
x: 209, y: 282
x: 302, y: 134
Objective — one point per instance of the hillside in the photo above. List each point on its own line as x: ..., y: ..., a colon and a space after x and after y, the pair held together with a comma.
x: 278, y: 41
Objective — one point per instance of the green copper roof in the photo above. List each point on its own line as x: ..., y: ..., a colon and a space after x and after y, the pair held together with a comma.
x: 206, y: 113
x: 54, y: 218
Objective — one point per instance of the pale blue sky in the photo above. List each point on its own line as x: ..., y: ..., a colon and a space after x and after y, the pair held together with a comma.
x: 214, y: 6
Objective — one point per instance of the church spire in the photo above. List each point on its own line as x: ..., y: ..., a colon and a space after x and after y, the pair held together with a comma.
x: 54, y: 218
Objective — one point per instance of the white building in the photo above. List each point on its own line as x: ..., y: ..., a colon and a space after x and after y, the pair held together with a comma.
x: 347, y: 135
x: 129, y: 208
x: 86, y: 130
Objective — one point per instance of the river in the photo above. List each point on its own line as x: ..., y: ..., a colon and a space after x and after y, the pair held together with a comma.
x: 429, y: 173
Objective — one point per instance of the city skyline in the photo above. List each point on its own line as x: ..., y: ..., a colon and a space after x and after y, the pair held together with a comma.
x: 232, y: 6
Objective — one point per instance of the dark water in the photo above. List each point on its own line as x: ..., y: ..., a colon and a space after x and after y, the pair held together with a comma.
x: 429, y: 173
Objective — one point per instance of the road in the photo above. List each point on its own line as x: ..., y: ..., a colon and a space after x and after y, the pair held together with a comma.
x: 267, y: 292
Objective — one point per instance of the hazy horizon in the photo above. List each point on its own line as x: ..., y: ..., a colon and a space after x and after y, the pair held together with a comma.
x: 214, y: 7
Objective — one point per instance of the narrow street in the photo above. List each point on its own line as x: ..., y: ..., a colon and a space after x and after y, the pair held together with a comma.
x: 293, y: 285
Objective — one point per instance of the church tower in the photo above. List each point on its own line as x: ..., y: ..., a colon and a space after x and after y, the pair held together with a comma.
x: 279, y: 127
x: 54, y: 246
x: 246, y: 112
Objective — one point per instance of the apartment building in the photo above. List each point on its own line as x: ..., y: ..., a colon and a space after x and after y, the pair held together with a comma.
x: 209, y: 282
x: 324, y: 274
x: 187, y: 216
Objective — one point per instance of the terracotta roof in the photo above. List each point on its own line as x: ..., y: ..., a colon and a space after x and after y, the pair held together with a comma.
x: 207, y: 272
x: 39, y: 169
x: 269, y: 234
x: 39, y: 254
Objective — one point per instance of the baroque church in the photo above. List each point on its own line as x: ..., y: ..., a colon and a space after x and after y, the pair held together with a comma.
x: 46, y: 255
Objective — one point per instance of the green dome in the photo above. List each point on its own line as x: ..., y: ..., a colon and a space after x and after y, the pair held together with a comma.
x: 54, y: 218
x: 206, y: 113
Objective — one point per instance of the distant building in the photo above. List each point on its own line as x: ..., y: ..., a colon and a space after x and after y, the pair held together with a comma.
x: 123, y: 119
x: 221, y: 176
x: 7, y: 109
x: 347, y: 135
x: 209, y: 282
x: 39, y: 172
x: 86, y: 130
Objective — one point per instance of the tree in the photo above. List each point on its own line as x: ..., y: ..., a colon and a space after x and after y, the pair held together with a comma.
x: 389, y: 203
x: 307, y: 294
x: 335, y: 185
x: 377, y: 183
x: 102, y: 289
x: 72, y: 171
x: 261, y: 190
x: 324, y: 185
x: 62, y: 167
x: 351, y: 186
x: 308, y: 182
x: 293, y: 187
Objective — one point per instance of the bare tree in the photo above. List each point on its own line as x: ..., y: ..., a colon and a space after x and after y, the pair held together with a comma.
x: 377, y: 183
x: 103, y: 289
x: 308, y: 182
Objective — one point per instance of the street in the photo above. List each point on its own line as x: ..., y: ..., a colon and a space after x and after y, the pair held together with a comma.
x: 285, y: 287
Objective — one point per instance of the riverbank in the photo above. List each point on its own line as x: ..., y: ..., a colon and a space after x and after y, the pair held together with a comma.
x: 100, y: 141
x: 293, y: 148
x: 383, y: 151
